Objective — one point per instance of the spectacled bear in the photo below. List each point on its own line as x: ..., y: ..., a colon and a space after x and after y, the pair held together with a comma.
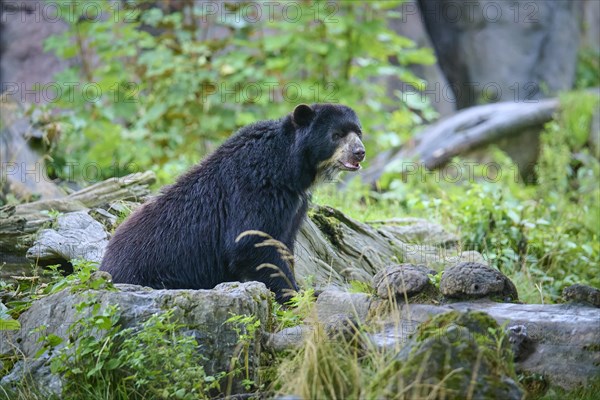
x: 259, y: 179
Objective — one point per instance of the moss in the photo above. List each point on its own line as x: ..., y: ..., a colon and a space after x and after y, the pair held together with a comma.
x: 430, y: 295
x: 476, y: 322
x: 592, y: 347
x: 326, y: 221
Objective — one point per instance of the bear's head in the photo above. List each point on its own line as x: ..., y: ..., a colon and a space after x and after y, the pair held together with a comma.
x: 329, y: 136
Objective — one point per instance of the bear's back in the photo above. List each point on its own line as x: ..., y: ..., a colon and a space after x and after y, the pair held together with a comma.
x: 179, y: 239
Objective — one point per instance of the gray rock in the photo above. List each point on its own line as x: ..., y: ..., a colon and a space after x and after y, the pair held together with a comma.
x: 402, y: 279
x: 39, y: 369
x: 285, y: 339
x: 202, y: 313
x: 493, y: 51
x: 331, y: 304
x: 582, y: 294
x: 473, y: 280
x: 521, y: 343
x: 343, y: 327
x: 76, y: 236
x: 333, y: 249
x: 417, y: 230
x: 104, y: 217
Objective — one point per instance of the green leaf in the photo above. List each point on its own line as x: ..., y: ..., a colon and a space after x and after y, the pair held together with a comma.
x: 54, y: 340
x: 9, y: 324
x: 276, y: 42
x: 515, y: 218
x: 103, y: 322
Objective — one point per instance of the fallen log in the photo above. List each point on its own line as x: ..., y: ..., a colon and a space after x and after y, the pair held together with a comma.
x: 133, y: 187
x: 19, y: 224
x: 480, y: 126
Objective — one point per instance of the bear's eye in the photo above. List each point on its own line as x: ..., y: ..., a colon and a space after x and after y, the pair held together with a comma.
x: 338, y: 134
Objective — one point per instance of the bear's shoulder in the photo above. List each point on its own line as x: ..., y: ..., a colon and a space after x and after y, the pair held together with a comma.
x: 259, y: 130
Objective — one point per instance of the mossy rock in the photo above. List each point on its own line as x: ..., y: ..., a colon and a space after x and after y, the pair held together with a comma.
x: 455, y: 356
x: 579, y: 293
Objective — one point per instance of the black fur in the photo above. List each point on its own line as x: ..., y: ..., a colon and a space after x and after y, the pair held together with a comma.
x: 185, y: 238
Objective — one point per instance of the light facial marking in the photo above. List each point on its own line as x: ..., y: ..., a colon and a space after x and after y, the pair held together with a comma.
x: 343, y: 159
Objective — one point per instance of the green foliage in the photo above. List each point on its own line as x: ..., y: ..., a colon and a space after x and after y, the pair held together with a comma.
x: 436, y: 279
x: 123, y: 215
x: 361, y: 287
x: 498, y: 343
x: 82, y: 278
x: 53, y: 215
x: 297, y: 309
x: 175, y: 94
x: 20, y: 294
x: 588, y: 69
x: 7, y: 323
x: 100, y: 360
x: 246, y: 327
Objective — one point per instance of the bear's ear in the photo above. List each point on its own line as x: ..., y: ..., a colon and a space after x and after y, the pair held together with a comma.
x: 303, y: 115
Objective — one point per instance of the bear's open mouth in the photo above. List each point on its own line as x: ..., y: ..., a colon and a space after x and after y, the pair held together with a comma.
x: 350, y: 166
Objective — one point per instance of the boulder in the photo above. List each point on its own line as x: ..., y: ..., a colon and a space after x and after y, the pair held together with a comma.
x: 333, y: 303
x: 470, y: 280
x: 333, y: 248
x: 403, y: 279
x: 492, y: 51
x: 202, y: 313
x: 539, y: 334
x: 582, y: 294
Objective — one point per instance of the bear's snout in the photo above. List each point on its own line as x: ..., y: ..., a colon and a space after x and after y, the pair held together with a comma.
x: 359, y: 153
x: 356, y: 147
